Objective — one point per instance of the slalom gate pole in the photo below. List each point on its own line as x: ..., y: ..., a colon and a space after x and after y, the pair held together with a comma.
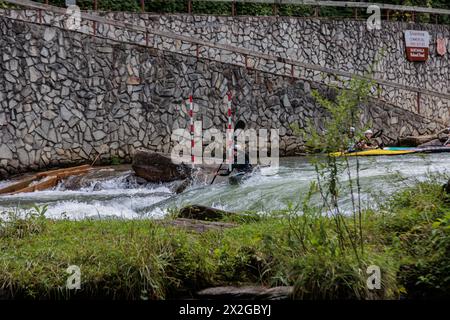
x: 230, y: 141
x: 191, y: 121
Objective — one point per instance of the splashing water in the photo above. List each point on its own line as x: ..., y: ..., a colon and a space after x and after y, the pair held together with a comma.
x: 379, y: 177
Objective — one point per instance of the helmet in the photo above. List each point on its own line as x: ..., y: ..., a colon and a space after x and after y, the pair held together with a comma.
x: 368, y: 132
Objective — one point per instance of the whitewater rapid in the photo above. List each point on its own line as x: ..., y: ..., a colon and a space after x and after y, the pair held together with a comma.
x: 118, y: 198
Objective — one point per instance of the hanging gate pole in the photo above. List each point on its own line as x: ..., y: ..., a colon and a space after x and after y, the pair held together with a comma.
x: 230, y: 140
x: 191, y: 121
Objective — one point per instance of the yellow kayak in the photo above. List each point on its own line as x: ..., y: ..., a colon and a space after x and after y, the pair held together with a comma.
x: 374, y: 152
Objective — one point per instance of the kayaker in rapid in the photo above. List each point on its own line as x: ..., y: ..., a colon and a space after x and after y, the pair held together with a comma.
x: 239, y: 153
x: 368, y: 142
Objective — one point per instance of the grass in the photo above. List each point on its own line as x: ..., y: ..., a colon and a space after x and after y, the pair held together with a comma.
x: 408, y: 238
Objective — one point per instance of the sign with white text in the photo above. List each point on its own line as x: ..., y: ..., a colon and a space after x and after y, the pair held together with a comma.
x: 417, y: 45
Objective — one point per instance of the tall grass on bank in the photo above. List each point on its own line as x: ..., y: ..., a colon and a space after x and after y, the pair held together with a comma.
x: 408, y: 238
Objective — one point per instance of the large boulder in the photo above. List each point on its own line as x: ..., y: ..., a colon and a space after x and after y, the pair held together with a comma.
x: 199, y: 212
x: 204, y: 213
x: 157, y: 167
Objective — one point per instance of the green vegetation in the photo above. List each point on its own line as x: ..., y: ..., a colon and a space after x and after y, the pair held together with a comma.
x: 115, y: 160
x: 255, y: 9
x: 408, y: 238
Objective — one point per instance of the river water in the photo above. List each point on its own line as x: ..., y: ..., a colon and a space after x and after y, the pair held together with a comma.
x: 379, y: 177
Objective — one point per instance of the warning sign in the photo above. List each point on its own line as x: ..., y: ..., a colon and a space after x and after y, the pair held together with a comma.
x: 417, y: 45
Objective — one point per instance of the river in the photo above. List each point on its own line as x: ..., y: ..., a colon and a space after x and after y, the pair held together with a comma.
x: 379, y: 177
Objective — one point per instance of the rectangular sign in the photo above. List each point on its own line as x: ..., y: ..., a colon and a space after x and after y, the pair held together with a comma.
x: 417, y: 45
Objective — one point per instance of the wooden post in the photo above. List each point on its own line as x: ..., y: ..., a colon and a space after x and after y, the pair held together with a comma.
x: 95, y: 5
x: 143, y: 5
x: 275, y: 9
x: 355, y: 13
x: 413, y: 16
x: 316, y: 11
x: 387, y: 15
x: 46, y: 2
x: 233, y: 8
x: 189, y: 6
x: 146, y: 38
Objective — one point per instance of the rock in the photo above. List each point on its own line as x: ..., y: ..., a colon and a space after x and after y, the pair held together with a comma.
x: 99, y: 135
x: 447, y: 187
x: 94, y: 178
x: 157, y: 167
x: 180, y: 186
x: 204, y: 213
x: 246, y: 293
x: 196, y: 225
x: 432, y: 143
x: 5, y: 153
x: 49, y: 34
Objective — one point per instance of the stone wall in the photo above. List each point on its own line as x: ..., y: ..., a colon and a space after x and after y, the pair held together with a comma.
x: 344, y: 45
x: 66, y: 96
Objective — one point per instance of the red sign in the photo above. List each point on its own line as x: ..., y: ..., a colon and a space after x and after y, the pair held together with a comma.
x: 441, y: 45
x: 417, y: 45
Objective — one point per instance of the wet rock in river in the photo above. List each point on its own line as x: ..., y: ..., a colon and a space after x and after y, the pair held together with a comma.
x: 96, y: 177
x: 157, y: 167
x: 203, y: 213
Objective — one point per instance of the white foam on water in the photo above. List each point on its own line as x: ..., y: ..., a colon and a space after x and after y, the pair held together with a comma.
x: 126, y: 208
x: 260, y: 193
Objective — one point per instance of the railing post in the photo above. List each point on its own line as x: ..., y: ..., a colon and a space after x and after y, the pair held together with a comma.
x: 355, y: 13
x: 143, y: 5
x: 387, y: 15
x: 316, y: 11
x: 275, y: 9
x: 189, y: 6
x: 95, y: 5
x: 418, y: 102
x: 233, y: 8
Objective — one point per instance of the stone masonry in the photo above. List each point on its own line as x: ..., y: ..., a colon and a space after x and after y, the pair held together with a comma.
x: 66, y: 96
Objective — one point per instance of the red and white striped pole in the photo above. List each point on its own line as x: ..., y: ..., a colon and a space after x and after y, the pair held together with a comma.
x: 191, y: 120
x: 230, y: 135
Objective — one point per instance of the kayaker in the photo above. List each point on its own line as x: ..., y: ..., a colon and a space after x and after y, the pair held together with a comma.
x: 238, y: 152
x: 352, y: 141
x: 368, y: 142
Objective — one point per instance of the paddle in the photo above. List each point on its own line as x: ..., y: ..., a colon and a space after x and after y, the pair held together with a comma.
x: 217, y: 172
x: 378, y: 133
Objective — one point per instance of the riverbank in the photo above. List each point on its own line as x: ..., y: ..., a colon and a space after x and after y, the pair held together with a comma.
x: 408, y: 238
